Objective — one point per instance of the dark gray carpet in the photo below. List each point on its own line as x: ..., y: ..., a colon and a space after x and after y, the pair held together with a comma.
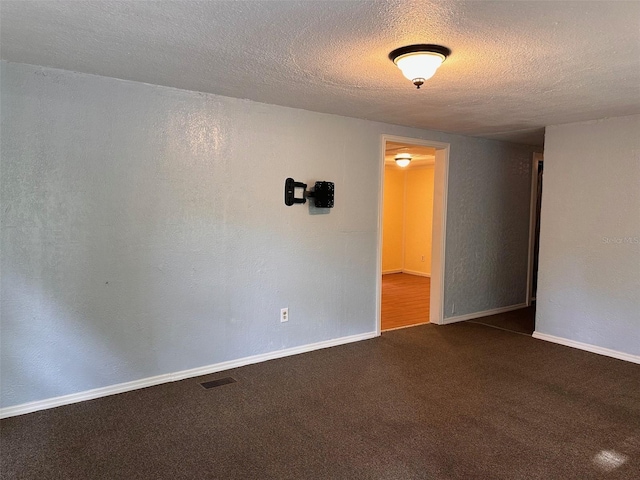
x: 459, y: 401
x: 519, y: 321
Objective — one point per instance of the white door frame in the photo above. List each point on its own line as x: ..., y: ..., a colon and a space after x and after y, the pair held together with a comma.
x: 440, y: 188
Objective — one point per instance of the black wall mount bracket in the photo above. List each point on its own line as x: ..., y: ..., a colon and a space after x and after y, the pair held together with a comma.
x: 290, y: 186
x: 322, y: 194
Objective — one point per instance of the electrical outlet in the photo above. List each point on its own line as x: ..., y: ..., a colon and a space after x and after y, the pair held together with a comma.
x: 284, y: 314
x: 423, y: 258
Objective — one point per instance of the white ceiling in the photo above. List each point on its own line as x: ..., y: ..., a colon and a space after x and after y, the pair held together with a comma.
x: 515, y: 68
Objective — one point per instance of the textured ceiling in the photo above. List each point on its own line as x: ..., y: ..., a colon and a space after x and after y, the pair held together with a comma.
x: 515, y: 68
x: 420, y: 155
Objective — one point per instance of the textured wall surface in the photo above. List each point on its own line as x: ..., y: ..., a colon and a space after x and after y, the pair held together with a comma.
x: 487, y: 227
x: 144, y: 229
x: 589, y: 275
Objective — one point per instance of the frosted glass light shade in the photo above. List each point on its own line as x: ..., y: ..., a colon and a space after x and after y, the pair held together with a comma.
x: 419, y: 66
x: 403, y: 159
x: 419, y: 62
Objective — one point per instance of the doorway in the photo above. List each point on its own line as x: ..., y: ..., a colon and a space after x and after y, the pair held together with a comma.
x: 411, y: 232
x: 534, y: 226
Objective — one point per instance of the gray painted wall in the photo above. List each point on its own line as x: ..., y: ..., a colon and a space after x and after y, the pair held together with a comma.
x: 144, y: 230
x: 487, y: 227
x: 589, y: 275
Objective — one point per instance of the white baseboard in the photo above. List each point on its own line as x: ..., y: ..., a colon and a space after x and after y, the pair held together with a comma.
x: 387, y: 272
x: 588, y: 347
x: 172, y: 377
x: 414, y: 272
x: 486, y: 313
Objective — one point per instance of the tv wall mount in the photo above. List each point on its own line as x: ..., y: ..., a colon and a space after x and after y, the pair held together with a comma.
x: 322, y: 193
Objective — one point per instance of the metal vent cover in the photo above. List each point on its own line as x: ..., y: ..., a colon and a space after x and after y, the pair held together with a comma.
x: 217, y: 383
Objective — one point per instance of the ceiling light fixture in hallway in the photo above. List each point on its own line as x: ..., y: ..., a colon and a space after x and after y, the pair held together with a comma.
x: 403, y: 159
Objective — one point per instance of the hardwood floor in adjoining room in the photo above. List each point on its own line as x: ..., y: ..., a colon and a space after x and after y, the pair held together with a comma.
x: 405, y: 300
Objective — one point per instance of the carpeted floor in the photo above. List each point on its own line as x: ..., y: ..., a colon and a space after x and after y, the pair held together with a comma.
x: 429, y: 402
x: 519, y: 321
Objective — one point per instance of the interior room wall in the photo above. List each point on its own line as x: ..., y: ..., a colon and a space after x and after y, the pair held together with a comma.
x: 407, y: 219
x: 144, y: 230
x: 589, y: 271
x: 393, y: 219
x: 487, y: 248
x: 418, y: 220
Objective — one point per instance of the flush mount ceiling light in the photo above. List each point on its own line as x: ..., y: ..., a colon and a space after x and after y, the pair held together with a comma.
x: 403, y: 159
x: 419, y: 62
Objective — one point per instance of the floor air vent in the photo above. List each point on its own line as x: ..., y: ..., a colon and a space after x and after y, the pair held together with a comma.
x: 217, y: 383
